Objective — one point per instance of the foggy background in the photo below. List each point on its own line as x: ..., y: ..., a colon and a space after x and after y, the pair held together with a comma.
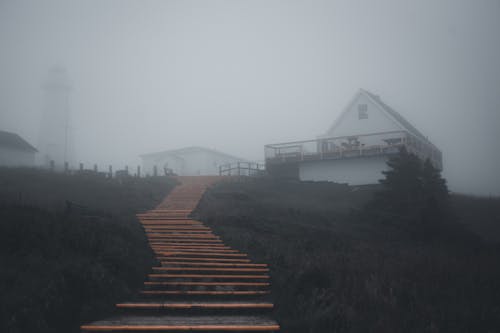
x: 235, y: 75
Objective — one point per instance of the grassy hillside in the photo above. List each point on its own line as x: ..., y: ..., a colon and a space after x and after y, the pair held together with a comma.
x: 70, y: 246
x: 481, y: 215
x: 335, y: 270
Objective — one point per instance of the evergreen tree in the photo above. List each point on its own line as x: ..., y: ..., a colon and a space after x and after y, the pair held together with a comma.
x: 435, y: 194
x: 402, y: 186
x: 412, y: 190
x: 433, y: 185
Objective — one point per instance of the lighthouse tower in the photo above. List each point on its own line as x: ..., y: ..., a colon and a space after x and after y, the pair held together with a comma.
x: 56, y: 138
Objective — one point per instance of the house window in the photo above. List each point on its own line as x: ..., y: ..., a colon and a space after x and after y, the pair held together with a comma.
x: 362, y: 111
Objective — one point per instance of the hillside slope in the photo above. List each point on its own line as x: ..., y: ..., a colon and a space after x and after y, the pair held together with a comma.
x: 70, y: 246
x: 334, y: 270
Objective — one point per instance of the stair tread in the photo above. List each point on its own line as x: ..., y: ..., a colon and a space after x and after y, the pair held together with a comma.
x: 195, y: 305
x: 209, y: 276
x: 171, y: 322
x: 206, y: 292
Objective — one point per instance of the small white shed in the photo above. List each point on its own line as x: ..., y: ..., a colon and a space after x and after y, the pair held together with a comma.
x: 189, y: 161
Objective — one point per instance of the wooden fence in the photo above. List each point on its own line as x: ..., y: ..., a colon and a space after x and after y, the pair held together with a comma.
x: 242, y: 169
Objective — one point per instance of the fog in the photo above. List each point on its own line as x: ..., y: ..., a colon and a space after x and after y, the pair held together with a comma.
x: 235, y: 75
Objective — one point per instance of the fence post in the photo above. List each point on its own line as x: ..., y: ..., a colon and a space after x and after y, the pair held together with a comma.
x: 66, y: 167
x: 81, y: 166
x: 139, y: 171
x: 155, y: 171
x: 110, y: 171
x: 126, y: 170
x: 95, y: 168
x: 52, y: 165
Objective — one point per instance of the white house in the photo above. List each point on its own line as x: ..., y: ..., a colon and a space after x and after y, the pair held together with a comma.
x: 15, y: 151
x: 355, y: 148
x: 190, y: 161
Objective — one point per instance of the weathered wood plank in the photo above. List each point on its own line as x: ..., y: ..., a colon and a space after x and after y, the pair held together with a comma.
x: 208, y: 276
x: 195, y: 305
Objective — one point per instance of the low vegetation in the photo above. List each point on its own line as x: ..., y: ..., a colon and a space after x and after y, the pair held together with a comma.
x: 70, y: 246
x: 345, y: 260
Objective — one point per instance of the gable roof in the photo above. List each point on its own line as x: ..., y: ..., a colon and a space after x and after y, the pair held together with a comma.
x: 189, y: 150
x: 14, y: 141
x: 393, y: 114
x: 396, y: 115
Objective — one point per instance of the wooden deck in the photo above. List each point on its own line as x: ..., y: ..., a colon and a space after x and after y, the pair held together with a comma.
x: 201, y: 284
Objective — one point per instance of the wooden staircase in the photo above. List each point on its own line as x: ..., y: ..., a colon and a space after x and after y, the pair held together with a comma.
x: 201, y: 284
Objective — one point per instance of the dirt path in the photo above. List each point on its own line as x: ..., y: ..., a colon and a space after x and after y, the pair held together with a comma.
x: 201, y: 284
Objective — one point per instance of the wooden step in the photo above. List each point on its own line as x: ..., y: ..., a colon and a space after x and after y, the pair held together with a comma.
x: 151, y: 219
x: 206, y: 292
x: 195, y: 305
x: 207, y: 284
x: 177, y: 230
x: 211, y: 269
x: 188, y: 244
x: 163, y: 210
x: 169, y: 226
x: 200, y: 247
x: 215, y: 245
x: 184, y: 263
x: 202, y: 236
x: 166, y: 259
x: 206, y: 276
x: 185, y: 240
x: 167, y: 323
x: 198, y: 241
x: 203, y: 254
x: 165, y: 215
x: 193, y: 250
x: 190, y: 249
x: 167, y: 212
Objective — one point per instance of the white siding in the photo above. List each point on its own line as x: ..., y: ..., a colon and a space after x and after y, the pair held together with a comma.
x: 16, y: 158
x: 353, y: 171
x: 189, y: 163
x: 350, y: 124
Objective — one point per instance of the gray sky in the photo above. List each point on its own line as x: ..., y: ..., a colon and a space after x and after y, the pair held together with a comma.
x: 235, y: 75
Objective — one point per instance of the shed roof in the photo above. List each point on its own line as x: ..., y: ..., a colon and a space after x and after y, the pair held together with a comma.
x: 15, y: 142
x: 189, y: 150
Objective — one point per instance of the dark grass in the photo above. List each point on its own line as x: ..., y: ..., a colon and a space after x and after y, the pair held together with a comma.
x: 65, y: 265
x: 334, y: 269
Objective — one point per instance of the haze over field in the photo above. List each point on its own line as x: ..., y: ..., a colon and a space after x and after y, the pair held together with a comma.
x: 235, y: 75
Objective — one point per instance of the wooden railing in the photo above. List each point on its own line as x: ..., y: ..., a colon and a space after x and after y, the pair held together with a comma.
x: 385, y: 143
x: 241, y: 169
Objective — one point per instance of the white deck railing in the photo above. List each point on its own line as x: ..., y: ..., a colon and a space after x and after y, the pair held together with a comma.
x: 385, y: 143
